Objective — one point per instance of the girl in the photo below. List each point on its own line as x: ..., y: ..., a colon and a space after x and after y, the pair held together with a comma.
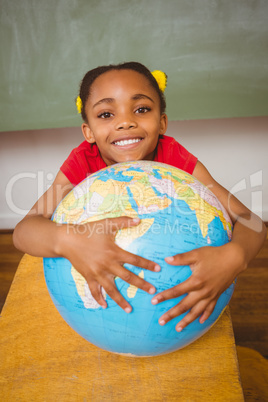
x: 123, y: 109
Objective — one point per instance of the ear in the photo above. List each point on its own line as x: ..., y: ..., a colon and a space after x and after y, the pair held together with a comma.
x: 88, y: 134
x: 163, y: 123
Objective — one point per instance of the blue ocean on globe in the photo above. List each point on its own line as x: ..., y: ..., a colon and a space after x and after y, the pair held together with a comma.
x: 178, y: 214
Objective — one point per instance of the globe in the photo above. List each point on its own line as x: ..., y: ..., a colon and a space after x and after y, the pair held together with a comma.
x: 178, y: 214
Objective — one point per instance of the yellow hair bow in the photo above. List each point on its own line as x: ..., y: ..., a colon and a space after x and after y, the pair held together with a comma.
x: 160, y: 78
x: 79, y: 104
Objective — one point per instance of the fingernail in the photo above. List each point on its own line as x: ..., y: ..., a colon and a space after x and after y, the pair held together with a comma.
x: 154, y: 301
x: 162, y: 322
x: 157, y: 268
x: 128, y: 309
x: 179, y: 329
x: 152, y: 291
x: 136, y: 220
x: 169, y: 259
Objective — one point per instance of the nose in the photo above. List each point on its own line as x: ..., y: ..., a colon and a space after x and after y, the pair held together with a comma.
x: 126, y: 123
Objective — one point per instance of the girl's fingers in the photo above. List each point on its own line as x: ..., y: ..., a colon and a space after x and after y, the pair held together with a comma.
x: 176, y: 291
x: 109, y: 286
x: 207, y: 312
x: 194, y: 308
x: 183, y: 259
x: 133, y: 279
x: 195, y: 312
x: 112, y: 291
x: 138, y: 261
x: 185, y: 305
x: 96, y: 292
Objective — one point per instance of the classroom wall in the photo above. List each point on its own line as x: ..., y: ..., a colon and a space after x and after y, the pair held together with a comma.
x: 234, y: 150
x: 213, y: 51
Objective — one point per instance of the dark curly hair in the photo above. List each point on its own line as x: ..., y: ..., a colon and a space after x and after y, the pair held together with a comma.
x: 91, y: 75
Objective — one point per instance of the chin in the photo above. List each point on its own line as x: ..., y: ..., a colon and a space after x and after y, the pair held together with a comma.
x: 127, y: 158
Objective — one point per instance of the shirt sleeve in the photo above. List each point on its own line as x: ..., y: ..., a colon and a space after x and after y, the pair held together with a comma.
x: 189, y: 160
x: 71, y: 168
x: 82, y: 162
x: 171, y: 152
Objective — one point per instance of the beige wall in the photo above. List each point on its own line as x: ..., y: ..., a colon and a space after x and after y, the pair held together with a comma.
x: 234, y: 150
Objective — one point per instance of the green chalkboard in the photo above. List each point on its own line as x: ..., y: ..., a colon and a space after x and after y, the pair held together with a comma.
x: 215, y: 53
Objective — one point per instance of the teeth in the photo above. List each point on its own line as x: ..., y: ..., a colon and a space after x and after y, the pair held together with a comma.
x: 127, y: 142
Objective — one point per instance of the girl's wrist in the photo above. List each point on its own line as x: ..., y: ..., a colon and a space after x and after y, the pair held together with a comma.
x: 63, y: 239
x: 238, y: 255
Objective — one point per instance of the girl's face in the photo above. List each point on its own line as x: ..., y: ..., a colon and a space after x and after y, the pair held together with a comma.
x: 123, y: 112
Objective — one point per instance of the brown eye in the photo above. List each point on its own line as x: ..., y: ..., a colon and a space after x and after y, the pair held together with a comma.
x: 105, y: 115
x: 143, y: 110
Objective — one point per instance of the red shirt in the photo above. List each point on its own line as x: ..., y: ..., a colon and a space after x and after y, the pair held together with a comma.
x: 86, y: 159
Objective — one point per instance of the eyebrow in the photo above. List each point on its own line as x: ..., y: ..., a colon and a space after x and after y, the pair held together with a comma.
x: 142, y: 96
x: 104, y: 100
x: 134, y: 97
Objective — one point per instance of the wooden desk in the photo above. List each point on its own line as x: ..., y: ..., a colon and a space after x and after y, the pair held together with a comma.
x: 43, y: 359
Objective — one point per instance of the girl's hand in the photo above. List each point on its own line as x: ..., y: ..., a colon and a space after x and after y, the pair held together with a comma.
x: 213, y: 271
x: 92, y: 251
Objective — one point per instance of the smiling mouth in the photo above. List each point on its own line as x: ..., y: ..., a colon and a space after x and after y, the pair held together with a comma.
x: 127, y: 142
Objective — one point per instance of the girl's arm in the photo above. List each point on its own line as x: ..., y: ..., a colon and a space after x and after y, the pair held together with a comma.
x: 36, y: 234
x: 90, y: 247
x: 214, y: 268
